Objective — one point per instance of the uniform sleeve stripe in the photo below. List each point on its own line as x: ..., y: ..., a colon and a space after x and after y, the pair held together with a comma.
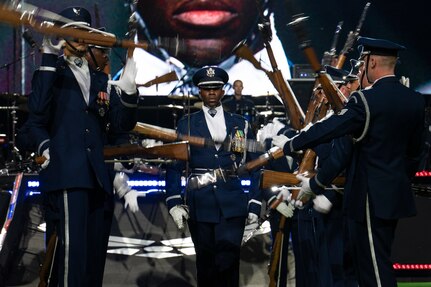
x: 47, y: 69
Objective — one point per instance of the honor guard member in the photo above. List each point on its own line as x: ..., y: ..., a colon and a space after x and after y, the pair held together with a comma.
x: 377, y: 191
x: 214, y: 204
x: 70, y: 110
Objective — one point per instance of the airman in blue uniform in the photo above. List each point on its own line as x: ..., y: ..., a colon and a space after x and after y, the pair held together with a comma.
x: 215, y: 203
x: 377, y: 191
x: 70, y: 110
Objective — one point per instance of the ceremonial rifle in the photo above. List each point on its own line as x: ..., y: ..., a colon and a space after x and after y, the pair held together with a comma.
x: 270, y: 178
x: 179, y: 150
x: 46, y: 267
x: 333, y: 94
x: 80, y: 33
x: 328, y: 56
x: 351, y: 38
x: 292, y: 108
x: 170, y: 135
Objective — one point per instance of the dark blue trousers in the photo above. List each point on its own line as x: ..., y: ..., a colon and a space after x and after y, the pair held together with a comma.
x: 77, y: 216
x: 217, y: 247
x: 383, y: 232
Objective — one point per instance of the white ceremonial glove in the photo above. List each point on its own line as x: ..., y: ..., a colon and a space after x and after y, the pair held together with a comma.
x: 252, y: 218
x: 285, y: 209
x: 49, y: 48
x: 405, y: 81
x: 147, y: 143
x: 120, y: 184
x: 305, y: 193
x: 127, y: 79
x: 131, y: 201
x: 283, y: 193
x: 264, y: 133
x: 280, y: 140
x: 180, y: 214
x: 45, y: 154
x: 322, y: 204
x: 277, y: 125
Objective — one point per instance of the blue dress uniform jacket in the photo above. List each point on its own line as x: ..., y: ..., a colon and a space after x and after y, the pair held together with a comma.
x: 74, y: 131
x: 384, y: 160
x: 206, y: 204
x: 76, y: 182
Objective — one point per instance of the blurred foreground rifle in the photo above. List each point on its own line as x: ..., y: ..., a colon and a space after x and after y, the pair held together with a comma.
x: 351, y: 38
x: 333, y: 94
x: 178, y: 151
x: 33, y: 18
x: 170, y: 135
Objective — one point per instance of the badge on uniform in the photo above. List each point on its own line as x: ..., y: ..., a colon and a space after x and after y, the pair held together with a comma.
x: 238, y: 141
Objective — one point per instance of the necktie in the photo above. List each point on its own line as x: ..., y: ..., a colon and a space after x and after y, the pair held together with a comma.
x: 78, y: 62
x: 212, y: 112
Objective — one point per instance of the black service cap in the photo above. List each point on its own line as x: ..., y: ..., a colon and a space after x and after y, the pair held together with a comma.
x: 380, y: 47
x: 210, y: 77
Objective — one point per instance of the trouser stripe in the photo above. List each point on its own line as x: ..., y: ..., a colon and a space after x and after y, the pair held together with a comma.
x: 371, y: 242
x: 66, y: 238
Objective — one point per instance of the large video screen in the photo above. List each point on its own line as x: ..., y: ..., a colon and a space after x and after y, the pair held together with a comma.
x: 190, y: 34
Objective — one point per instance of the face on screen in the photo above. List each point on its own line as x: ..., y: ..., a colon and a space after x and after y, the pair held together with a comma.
x: 209, y: 28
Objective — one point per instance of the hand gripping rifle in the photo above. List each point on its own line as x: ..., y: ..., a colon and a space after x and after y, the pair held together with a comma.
x: 351, y: 38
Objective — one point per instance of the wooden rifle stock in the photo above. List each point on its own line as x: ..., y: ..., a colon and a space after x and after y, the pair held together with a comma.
x: 45, y: 268
x: 291, y: 105
x: 276, y: 250
x: 15, y: 18
x: 273, y: 153
x: 169, y: 135
x: 27, y: 19
x: 270, y: 178
x: 169, y: 77
x: 243, y: 51
x: 178, y: 151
